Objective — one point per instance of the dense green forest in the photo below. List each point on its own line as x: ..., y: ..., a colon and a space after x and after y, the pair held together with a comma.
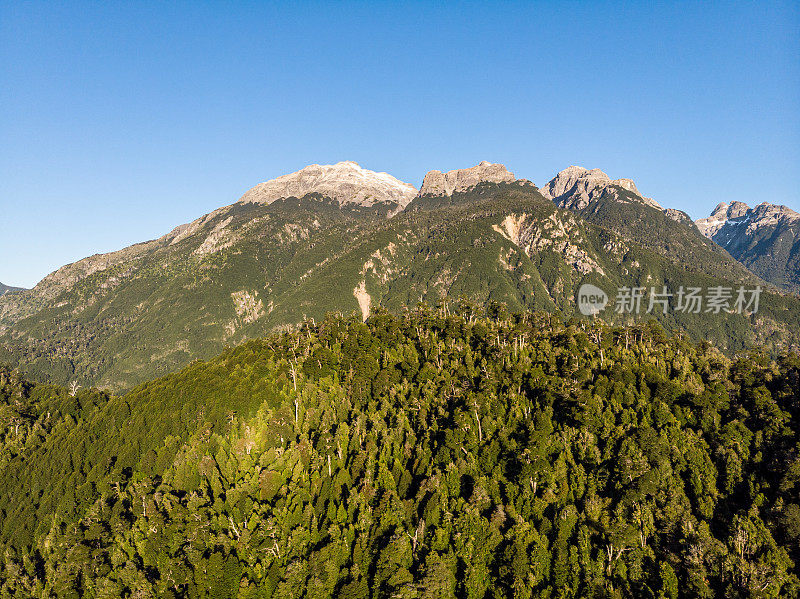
x: 425, y: 454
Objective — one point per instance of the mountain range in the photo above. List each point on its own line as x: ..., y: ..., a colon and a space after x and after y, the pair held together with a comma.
x: 766, y: 239
x: 340, y: 238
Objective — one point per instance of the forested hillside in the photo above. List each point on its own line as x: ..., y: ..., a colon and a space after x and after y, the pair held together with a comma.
x: 249, y: 269
x: 426, y: 454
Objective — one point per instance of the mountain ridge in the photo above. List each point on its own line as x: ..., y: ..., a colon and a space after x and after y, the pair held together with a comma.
x: 575, y: 186
x: 765, y: 238
x: 8, y: 289
x: 253, y: 267
x: 439, y: 183
x: 345, y: 182
x: 617, y: 205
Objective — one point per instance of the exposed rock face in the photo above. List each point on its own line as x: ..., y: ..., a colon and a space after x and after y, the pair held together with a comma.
x: 766, y: 239
x: 363, y: 298
x: 555, y: 233
x: 345, y: 182
x: 720, y: 216
x: 771, y: 214
x: 618, y: 206
x: 678, y: 216
x: 574, y: 187
x: 446, y: 184
x: 725, y: 223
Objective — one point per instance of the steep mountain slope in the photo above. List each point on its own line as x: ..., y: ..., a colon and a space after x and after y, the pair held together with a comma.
x: 618, y: 205
x: 180, y: 297
x: 766, y: 239
x: 428, y: 454
x: 345, y: 184
x: 266, y: 263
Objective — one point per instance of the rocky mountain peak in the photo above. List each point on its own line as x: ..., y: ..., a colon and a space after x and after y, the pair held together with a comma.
x: 767, y: 213
x: 576, y: 186
x: 575, y: 179
x: 766, y: 239
x: 720, y: 216
x: 627, y: 184
x: 439, y: 183
x: 739, y: 213
x: 346, y: 182
x: 737, y: 209
x: 719, y: 211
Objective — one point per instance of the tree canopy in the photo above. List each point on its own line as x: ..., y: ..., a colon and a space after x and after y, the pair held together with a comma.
x: 434, y: 453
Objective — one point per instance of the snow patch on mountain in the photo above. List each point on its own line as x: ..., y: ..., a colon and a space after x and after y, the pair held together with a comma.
x: 725, y: 217
x: 723, y: 214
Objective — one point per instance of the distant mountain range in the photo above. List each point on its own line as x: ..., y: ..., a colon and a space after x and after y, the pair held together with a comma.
x: 766, y: 239
x: 6, y: 288
x: 618, y: 206
x: 340, y: 238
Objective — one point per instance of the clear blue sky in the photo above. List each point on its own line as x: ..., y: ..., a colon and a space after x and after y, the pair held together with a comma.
x: 120, y: 121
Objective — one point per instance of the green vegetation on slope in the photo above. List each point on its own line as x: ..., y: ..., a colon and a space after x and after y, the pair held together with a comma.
x: 678, y: 239
x: 249, y: 269
x: 428, y: 454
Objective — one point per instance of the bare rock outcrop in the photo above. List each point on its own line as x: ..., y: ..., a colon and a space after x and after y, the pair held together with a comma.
x: 575, y: 187
x: 766, y: 239
x: 720, y: 216
x: 678, y: 216
x: 772, y: 214
x: 446, y: 184
x: 744, y: 219
x: 345, y: 182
